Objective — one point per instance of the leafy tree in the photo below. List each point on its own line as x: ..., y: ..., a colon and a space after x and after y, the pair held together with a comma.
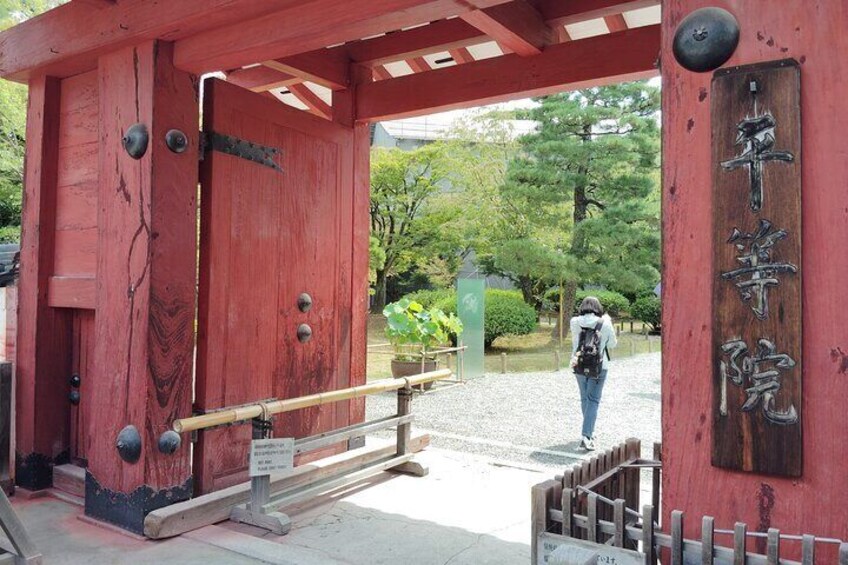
x: 13, y: 100
x: 401, y: 184
x: 584, y: 190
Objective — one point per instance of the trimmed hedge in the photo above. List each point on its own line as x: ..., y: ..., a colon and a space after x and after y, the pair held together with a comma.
x: 506, y: 314
x: 649, y: 310
x: 615, y: 304
x: 429, y: 298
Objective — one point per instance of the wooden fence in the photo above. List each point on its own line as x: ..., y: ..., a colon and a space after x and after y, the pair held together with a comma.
x: 575, y: 520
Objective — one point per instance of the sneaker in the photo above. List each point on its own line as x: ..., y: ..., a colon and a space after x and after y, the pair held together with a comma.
x: 588, y: 444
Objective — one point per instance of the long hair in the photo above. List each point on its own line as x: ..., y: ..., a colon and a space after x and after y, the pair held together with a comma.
x: 591, y: 305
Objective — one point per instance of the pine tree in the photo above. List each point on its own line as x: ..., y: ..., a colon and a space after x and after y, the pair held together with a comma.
x: 586, y: 189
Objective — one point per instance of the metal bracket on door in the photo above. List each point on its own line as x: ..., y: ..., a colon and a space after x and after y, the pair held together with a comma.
x: 260, y: 154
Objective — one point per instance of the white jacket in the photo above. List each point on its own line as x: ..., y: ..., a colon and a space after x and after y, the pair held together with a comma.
x: 608, y: 339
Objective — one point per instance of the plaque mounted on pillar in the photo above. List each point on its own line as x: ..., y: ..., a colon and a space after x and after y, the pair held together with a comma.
x: 757, y: 270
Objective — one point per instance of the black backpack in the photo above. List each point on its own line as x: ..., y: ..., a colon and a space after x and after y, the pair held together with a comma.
x: 590, y: 357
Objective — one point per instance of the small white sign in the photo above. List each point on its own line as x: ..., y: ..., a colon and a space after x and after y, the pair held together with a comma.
x: 559, y: 550
x: 269, y: 456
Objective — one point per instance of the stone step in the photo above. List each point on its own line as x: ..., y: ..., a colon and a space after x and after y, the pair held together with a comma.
x: 70, y: 479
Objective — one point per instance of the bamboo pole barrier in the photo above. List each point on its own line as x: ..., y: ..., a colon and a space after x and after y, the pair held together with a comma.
x: 279, y: 406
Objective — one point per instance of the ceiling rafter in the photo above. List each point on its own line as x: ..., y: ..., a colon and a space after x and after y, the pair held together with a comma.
x: 615, y: 23
x: 419, y: 65
x: 629, y: 55
x: 260, y: 79
x: 311, y: 100
x: 327, y: 67
x: 461, y: 55
x: 517, y: 26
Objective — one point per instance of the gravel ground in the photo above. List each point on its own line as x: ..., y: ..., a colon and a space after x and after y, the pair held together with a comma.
x: 533, y: 419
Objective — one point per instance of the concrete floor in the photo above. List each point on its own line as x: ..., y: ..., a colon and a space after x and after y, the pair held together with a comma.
x: 467, y: 510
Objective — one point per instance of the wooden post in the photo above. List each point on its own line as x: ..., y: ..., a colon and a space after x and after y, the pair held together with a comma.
x: 592, y: 517
x: 707, y: 537
x: 541, y: 499
x: 146, y: 286
x: 740, y: 534
x: 567, y: 511
x: 773, y: 547
x: 648, y: 535
x: 631, y: 326
x: 503, y: 363
x: 449, y: 360
x: 561, y: 314
x: 808, y: 550
x: 44, y: 333
x: 676, y: 537
x: 618, y: 521
x: 633, y: 451
x: 557, y: 360
x: 656, y: 475
x: 404, y: 435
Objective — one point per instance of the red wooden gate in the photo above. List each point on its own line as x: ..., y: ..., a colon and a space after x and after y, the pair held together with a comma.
x: 267, y: 236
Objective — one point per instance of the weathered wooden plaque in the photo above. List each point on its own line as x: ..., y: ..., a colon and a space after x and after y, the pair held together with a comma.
x: 757, y: 270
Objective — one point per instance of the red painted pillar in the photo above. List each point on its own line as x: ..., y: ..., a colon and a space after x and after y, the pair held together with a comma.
x: 344, y: 107
x: 811, y: 32
x: 43, y: 359
x: 145, y: 297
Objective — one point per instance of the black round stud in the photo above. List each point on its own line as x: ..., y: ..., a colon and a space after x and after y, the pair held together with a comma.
x: 304, y: 333
x: 129, y: 444
x: 74, y: 397
x: 75, y: 380
x: 169, y: 442
x: 176, y: 141
x: 705, y: 39
x: 304, y: 302
x: 135, y: 141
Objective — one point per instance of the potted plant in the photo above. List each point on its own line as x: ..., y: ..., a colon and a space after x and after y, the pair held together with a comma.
x: 414, y: 332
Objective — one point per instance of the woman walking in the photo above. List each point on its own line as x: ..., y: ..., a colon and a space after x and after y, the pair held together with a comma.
x: 592, y: 335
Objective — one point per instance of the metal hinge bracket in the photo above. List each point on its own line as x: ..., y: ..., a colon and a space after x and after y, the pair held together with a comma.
x: 260, y: 154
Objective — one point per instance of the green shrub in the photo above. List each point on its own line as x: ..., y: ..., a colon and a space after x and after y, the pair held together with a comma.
x: 429, y: 298
x: 506, y: 314
x: 648, y: 309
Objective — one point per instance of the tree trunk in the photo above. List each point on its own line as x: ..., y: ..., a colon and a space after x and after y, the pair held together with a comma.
x: 379, y: 293
x: 526, y: 286
x: 569, y: 292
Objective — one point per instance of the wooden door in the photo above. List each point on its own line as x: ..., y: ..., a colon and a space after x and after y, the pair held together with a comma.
x: 268, y: 235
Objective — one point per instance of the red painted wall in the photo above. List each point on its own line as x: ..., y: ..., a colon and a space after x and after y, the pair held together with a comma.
x: 813, y: 33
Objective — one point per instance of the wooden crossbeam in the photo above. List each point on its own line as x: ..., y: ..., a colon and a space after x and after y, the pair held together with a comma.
x: 312, y: 101
x: 327, y: 67
x: 629, y: 55
x: 67, y: 40
x: 307, y: 26
x: 419, y: 65
x: 562, y: 12
x: 380, y: 73
x: 615, y: 23
x: 260, y: 79
x: 442, y: 35
x: 516, y: 26
x: 461, y: 56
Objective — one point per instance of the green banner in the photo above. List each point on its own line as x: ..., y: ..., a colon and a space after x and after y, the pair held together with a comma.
x: 471, y: 308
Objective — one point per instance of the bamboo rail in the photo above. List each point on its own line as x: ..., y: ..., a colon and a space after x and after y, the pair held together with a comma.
x: 228, y: 416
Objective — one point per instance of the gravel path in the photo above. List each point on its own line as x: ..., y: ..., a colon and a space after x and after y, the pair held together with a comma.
x: 533, y: 419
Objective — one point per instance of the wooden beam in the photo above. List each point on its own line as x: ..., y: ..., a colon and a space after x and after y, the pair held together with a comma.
x: 327, y: 67
x: 261, y: 78
x: 67, y: 40
x: 560, y: 12
x: 516, y: 26
x: 604, y: 59
x: 562, y: 34
x: 442, y: 35
x: 146, y: 285
x: 419, y: 65
x: 380, y: 73
x: 312, y: 101
x: 44, y: 333
x: 461, y: 56
x: 615, y: 23
x: 308, y: 26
